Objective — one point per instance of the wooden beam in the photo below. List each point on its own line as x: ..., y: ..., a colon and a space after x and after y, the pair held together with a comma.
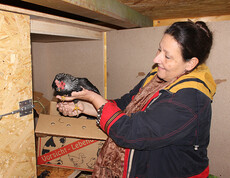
x: 60, y: 29
x: 108, y: 11
x: 39, y: 16
x: 167, y: 22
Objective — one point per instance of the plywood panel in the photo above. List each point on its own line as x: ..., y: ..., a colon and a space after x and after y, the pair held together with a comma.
x: 79, y: 58
x: 130, y: 55
x: 17, y: 146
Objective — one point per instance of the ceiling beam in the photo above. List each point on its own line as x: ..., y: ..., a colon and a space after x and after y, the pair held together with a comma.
x: 108, y: 11
x: 167, y: 22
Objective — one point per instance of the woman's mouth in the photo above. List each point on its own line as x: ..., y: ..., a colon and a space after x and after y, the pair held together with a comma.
x: 160, y: 68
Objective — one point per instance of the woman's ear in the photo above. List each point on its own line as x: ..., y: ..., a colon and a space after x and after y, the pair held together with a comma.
x: 191, y: 64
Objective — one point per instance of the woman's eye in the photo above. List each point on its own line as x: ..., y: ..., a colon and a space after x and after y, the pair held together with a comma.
x: 167, y: 57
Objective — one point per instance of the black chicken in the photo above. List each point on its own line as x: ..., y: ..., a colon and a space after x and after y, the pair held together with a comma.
x: 65, y: 84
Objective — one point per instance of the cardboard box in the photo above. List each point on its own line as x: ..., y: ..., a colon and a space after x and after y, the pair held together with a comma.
x: 67, y: 152
x: 68, y: 142
x: 53, y: 108
x: 41, y: 104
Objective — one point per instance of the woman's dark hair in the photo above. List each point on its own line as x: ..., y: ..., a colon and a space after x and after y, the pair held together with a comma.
x: 195, y: 39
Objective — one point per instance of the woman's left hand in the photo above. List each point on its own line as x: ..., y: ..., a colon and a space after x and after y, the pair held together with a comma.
x: 85, y: 95
x: 69, y: 108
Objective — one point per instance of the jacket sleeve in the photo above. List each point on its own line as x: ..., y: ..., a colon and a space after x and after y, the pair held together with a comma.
x: 169, y: 120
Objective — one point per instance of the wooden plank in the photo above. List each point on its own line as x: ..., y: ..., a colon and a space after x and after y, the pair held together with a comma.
x: 109, y: 11
x: 56, y: 28
x: 105, y: 65
x: 39, y: 16
x: 17, y: 146
x: 167, y: 22
x: 166, y: 9
x: 55, y: 172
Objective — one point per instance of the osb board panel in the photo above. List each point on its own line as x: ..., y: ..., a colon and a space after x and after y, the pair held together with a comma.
x: 130, y: 56
x: 17, y: 147
x: 79, y: 58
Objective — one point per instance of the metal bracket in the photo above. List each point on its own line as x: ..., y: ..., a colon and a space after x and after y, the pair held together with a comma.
x: 25, y: 108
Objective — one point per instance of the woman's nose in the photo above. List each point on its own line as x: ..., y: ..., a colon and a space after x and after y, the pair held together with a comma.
x: 157, y: 59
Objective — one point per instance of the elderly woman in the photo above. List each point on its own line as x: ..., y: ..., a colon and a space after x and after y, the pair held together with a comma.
x: 161, y: 128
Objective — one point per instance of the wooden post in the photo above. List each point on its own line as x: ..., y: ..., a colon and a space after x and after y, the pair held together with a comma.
x: 105, y: 65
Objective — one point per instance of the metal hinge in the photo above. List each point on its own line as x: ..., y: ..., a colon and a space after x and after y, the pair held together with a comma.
x: 25, y: 108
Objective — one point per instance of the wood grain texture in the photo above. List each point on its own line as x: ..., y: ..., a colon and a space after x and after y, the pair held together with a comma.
x: 171, y: 9
x: 167, y: 22
x: 17, y: 146
x: 109, y: 11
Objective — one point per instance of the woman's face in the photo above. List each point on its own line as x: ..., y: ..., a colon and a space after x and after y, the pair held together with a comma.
x: 169, y: 59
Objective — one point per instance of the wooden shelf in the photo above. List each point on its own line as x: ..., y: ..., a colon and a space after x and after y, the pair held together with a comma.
x: 55, y: 28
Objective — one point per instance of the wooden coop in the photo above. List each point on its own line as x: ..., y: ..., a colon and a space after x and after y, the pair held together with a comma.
x: 113, y: 45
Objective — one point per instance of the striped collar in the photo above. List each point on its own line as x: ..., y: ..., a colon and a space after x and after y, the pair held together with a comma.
x: 200, y: 79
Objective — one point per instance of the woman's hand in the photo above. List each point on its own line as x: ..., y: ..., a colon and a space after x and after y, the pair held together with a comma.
x: 70, y: 109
